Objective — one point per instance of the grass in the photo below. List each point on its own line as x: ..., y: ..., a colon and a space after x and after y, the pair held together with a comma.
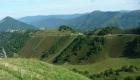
x: 98, y: 67
x: 115, y: 45
x: 42, y: 41
x: 4, y: 75
x: 134, y: 74
x: 36, y: 45
x: 29, y: 69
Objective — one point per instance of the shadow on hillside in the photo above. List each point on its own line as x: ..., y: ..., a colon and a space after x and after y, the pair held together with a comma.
x: 132, y: 49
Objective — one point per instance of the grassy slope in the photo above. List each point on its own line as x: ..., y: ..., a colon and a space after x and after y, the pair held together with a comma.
x: 36, y: 45
x: 42, y: 41
x: 115, y: 45
x: 23, y: 69
x: 113, y: 63
x: 77, y: 50
x: 62, y: 47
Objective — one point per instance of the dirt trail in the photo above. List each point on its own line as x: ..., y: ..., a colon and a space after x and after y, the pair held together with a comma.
x: 51, y: 59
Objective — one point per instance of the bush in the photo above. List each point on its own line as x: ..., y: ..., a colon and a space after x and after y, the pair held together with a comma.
x: 138, y: 78
x: 65, y: 28
x: 109, y: 30
x: 129, y: 78
x: 132, y: 49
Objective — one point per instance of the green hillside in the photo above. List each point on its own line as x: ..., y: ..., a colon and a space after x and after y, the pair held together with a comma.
x: 36, y: 45
x: 71, y: 48
x: 108, y: 56
x: 110, y: 66
x: 116, y: 45
x: 46, y: 44
x: 101, y: 66
x: 90, y: 49
x: 23, y: 69
x: 13, y: 42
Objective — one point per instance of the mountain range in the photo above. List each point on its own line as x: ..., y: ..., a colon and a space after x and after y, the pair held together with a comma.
x: 48, y: 21
x: 87, y: 21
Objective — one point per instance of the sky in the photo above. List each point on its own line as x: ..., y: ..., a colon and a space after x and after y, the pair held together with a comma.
x: 21, y: 8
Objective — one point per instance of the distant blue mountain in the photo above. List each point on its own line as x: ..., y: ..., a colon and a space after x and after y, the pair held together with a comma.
x: 88, y: 21
x: 98, y: 19
x: 48, y: 21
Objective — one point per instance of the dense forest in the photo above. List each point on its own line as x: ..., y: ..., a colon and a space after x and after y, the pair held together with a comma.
x: 12, y: 42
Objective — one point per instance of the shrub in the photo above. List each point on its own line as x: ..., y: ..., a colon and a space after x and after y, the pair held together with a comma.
x: 138, y: 78
x: 129, y: 78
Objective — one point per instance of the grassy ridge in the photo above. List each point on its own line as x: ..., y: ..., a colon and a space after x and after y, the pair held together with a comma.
x: 23, y: 69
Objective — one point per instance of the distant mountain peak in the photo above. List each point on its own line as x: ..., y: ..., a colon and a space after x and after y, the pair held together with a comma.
x: 8, y: 17
x: 9, y: 23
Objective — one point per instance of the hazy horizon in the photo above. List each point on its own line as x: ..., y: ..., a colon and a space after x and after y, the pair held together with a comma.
x: 21, y: 8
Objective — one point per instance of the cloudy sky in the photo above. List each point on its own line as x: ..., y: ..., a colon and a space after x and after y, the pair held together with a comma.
x: 20, y: 8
